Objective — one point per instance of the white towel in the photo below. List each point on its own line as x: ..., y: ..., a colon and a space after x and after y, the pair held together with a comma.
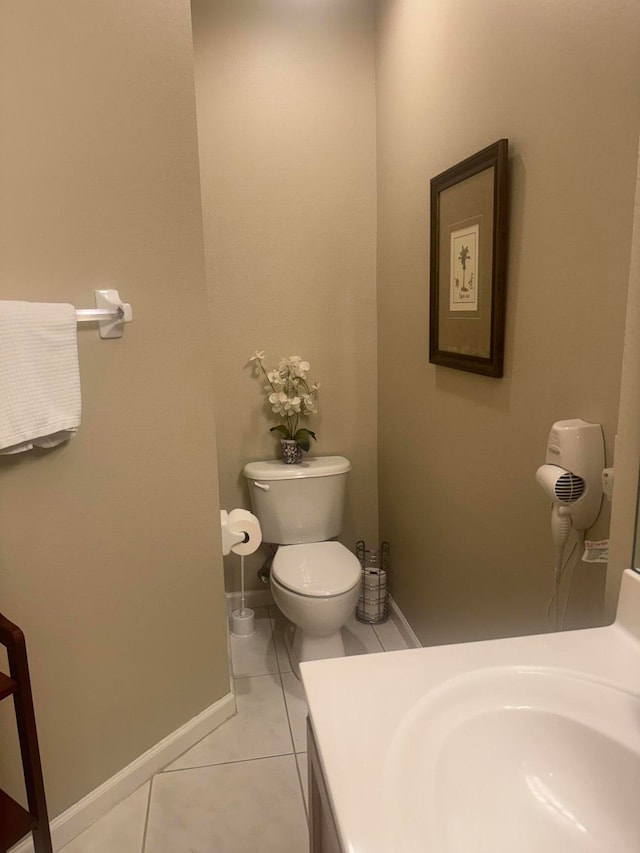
x: 40, y: 400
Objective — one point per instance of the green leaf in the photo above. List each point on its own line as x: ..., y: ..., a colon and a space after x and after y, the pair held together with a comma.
x: 302, y: 437
x: 282, y: 429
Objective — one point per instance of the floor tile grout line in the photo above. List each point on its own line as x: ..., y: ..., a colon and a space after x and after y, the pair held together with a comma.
x: 304, y: 802
x: 226, y: 763
x: 286, y: 709
x: 272, y: 622
x: 146, y: 817
x: 273, y: 637
x: 379, y: 639
x: 380, y: 643
x: 255, y: 675
x: 275, y: 643
x: 293, y: 742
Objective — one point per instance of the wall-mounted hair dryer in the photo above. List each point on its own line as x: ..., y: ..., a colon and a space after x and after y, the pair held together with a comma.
x: 572, y: 478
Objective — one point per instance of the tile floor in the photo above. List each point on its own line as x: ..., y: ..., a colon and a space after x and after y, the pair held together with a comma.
x: 243, y: 788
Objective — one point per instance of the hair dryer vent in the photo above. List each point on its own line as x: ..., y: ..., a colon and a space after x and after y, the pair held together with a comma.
x: 569, y: 487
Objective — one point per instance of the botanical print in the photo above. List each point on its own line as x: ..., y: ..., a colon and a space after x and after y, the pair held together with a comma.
x: 463, y: 277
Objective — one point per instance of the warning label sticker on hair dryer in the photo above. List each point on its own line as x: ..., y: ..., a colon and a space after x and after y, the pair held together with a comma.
x: 596, y: 551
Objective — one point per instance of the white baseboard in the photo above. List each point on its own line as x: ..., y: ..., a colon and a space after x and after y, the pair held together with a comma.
x: 403, y: 626
x: 86, y: 811
x: 264, y: 598
x: 252, y: 598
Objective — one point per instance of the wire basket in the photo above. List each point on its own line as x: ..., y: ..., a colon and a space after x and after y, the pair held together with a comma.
x: 373, y: 604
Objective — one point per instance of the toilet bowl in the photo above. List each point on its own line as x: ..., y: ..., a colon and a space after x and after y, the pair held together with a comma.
x: 315, y: 580
x: 316, y: 586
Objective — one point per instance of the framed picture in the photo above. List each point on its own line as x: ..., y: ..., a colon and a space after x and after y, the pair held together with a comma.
x: 469, y: 210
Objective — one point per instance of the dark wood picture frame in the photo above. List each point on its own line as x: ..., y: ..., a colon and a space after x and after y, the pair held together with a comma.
x: 469, y: 220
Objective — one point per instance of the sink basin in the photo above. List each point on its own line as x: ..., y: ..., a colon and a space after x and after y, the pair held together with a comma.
x: 519, y: 745
x: 516, y: 760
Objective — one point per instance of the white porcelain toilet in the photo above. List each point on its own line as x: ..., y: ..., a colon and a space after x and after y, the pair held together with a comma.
x: 315, y: 581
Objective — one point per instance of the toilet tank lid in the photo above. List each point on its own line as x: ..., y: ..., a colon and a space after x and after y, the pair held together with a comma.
x: 311, y: 466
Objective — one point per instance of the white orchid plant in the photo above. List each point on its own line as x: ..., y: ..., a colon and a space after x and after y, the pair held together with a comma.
x: 290, y: 395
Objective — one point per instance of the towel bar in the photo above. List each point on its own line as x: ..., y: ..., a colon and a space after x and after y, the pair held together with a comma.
x: 110, y: 312
x: 84, y: 315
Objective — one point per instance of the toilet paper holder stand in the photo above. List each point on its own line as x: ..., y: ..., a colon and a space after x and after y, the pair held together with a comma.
x: 231, y: 538
x: 240, y: 533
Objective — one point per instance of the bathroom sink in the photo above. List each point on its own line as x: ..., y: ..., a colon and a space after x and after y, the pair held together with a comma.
x: 519, y: 745
x: 517, y: 759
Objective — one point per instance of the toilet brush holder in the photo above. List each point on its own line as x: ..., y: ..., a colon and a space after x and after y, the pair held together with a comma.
x: 243, y: 623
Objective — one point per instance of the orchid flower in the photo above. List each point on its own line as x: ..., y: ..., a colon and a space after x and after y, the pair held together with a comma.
x: 289, y: 395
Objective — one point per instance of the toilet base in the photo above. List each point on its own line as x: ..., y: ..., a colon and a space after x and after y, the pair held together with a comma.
x: 303, y: 646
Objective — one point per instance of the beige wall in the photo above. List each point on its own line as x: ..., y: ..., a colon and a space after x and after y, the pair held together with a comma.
x: 109, y: 545
x: 286, y: 123
x: 468, y: 525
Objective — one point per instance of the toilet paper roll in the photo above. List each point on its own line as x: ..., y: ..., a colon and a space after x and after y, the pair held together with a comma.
x: 373, y: 597
x: 374, y: 578
x: 241, y: 521
x: 373, y: 612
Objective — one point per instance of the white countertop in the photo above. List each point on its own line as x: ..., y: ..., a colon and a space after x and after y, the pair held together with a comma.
x: 357, y: 704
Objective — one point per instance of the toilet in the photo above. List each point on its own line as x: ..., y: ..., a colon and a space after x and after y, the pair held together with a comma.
x: 315, y: 581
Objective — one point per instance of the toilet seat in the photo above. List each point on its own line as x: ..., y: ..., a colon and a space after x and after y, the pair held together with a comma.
x: 316, y: 569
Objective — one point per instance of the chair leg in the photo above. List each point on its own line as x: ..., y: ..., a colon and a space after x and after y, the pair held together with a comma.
x: 28, y: 736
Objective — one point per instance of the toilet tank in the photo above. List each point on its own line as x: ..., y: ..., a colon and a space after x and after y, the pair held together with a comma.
x: 298, y: 503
